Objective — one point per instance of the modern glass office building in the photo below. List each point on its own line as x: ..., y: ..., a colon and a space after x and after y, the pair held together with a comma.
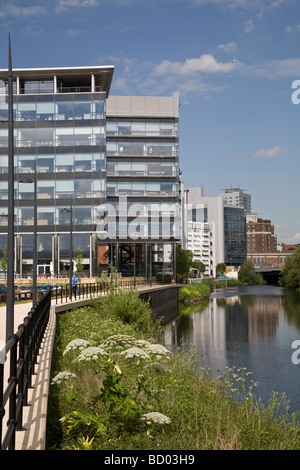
x: 235, y: 236
x: 82, y: 158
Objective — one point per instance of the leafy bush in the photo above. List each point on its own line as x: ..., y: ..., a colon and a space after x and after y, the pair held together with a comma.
x: 127, y: 307
x: 248, y: 276
x: 290, y: 273
x: 195, y: 291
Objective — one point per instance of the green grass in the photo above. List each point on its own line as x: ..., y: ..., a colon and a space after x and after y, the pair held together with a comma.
x: 102, y: 405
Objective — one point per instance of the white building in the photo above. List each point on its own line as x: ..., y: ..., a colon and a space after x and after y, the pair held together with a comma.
x: 225, y: 223
x: 236, y: 197
x: 200, y: 242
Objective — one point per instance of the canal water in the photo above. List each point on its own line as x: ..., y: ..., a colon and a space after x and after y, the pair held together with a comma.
x: 252, y: 327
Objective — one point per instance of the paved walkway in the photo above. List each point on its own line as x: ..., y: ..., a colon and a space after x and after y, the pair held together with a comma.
x: 33, y: 435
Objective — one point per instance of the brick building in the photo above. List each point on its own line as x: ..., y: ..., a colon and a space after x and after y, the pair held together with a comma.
x: 261, y: 236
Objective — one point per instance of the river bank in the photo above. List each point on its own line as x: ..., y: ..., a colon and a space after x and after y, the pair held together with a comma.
x: 129, y: 393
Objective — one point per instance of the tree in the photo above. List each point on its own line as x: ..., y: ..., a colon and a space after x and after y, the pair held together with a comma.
x: 78, y: 260
x: 199, y: 266
x: 290, y: 273
x: 3, y: 261
x: 221, y: 268
x: 184, y: 261
x: 247, y: 274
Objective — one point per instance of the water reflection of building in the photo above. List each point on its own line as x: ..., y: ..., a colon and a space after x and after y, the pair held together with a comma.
x: 226, y: 324
x: 263, y: 317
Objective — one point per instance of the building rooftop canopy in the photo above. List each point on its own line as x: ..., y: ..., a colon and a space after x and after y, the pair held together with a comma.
x: 71, y: 76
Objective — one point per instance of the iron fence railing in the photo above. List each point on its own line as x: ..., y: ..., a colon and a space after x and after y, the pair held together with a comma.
x: 61, y: 293
x: 21, y: 352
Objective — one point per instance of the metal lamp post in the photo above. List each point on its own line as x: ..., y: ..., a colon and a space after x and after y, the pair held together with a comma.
x: 34, y: 261
x: 71, y: 247
x: 11, y: 205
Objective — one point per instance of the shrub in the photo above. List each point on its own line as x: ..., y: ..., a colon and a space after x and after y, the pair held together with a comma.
x: 248, y: 276
x: 192, y: 292
x: 128, y: 308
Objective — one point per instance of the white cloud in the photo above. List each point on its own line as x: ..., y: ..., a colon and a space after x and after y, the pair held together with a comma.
x: 276, y: 151
x: 249, y: 26
x: 241, y: 4
x: 294, y: 239
x: 15, y: 11
x: 293, y: 29
x: 274, y: 69
x: 230, y: 47
x: 65, y: 4
x: 206, y: 63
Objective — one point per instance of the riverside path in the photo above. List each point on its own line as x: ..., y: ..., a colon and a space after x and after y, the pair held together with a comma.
x: 33, y: 433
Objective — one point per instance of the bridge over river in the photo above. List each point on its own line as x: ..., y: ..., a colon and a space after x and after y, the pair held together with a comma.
x: 270, y: 274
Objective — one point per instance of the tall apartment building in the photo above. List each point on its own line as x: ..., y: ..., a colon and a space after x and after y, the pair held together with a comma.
x: 200, y: 242
x: 237, y: 197
x: 86, y: 149
x: 261, y: 238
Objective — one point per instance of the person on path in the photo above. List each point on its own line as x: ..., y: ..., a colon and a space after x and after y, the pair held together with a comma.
x: 74, y: 284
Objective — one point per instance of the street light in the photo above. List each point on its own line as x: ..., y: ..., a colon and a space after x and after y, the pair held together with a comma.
x: 10, y: 302
x: 11, y: 206
x: 34, y: 260
x: 71, y: 247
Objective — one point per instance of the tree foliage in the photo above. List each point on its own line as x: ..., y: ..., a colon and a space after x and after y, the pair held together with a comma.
x: 221, y: 268
x: 78, y: 260
x: 199, y: 266
x: 290, y: 274
x: 184, y: 261
x: 247, y: 274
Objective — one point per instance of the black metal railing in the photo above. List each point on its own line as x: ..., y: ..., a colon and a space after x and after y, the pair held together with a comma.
x: 88, y: 290
x: 22, y: 349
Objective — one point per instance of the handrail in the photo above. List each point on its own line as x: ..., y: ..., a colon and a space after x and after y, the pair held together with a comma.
x: 90, y: 290
x: 23, y: 348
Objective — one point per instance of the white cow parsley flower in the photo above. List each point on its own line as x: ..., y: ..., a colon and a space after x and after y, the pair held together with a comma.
x: 156, y: 418
x: 135, y: 352
x: 91, y: 353
x: 157, y: 350
x: 76, y: 344
x: 61, y: 376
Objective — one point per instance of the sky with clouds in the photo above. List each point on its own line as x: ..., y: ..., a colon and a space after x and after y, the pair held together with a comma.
x: 234, y: 63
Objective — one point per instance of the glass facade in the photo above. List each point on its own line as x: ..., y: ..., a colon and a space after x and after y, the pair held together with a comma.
x: 59, y: 139
x: 81, y: 159
x: 235, y: 247
x: 143, y: 164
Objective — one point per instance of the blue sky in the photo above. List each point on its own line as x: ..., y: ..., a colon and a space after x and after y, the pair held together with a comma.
x: 232, y: 62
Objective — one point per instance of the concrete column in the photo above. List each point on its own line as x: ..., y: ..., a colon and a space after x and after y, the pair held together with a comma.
x: 93, y: 86
x: 54, y: 84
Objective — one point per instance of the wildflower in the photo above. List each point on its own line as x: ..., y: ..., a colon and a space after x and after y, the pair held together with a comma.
x: 142, y: 342
x: 156, y: 418
x: 76, y: 344
x: 118, y: 341
x: 91, y: 353
x: 157, y: 349
x: 135, y: 352
x: 61, y: 376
